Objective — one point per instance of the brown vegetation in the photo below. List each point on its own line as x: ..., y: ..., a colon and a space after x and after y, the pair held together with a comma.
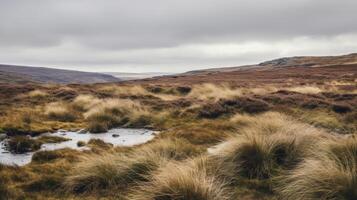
x: 259, y: 134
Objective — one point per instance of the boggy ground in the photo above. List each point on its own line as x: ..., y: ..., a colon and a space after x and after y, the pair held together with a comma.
x: 277, y: 140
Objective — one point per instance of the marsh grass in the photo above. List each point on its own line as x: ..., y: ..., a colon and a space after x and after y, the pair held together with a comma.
x: 324, y: 178
x: 330, y: 175
x: 51, y: 139
x: 38, y: 94
x: 305, y: 89
x: 108, y: 172
x: 23, y: 122
x: 125, y: 90
x: 190, y: 180
x: 60, y: 112
x: 43, y: 157
x: 22, y: 144
x: 209, y: 91
x: 84, y: 102
x: 274, y: 122
x: 259, y: 156
x: 111, y: 113
x: 118, y: 170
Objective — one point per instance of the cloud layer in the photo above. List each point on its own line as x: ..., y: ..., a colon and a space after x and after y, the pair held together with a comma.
x: 171, y: 35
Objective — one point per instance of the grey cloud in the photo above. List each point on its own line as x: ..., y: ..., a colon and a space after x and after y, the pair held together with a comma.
x: 130, y: 32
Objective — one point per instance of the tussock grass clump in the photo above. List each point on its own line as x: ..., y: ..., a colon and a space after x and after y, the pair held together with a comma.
x: 22, y: 144
x: 125, y: 90
x: 264, y: 90
x: 98, y: 127
x: 60, y: 112
x: 110, y: 171
x: 49, y: 156
x: 259, y: 156
x: 85, y: 102
x: 331, y: 175
x: 273, y: 122
x: 210, y: 91
x: 305, y: 89
x: 23, y: 122
x: 98, y: 143
x: 37, y: 94
x: 182, y: 181
x: 51, y: 139
x: 177, y: 149
x: 338, y: 148
x: 110, y: 113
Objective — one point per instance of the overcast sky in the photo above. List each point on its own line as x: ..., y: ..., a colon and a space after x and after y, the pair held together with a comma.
x: 171, y: 35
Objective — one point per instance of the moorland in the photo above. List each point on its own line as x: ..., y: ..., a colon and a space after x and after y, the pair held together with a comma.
x: 283, y: 129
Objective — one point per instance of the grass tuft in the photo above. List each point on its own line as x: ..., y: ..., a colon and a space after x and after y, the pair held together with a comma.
x: 331, y: 175
x: 182, y: 181
x: 259, y: 156
x: 110, y: 171
x: 209, y: 91
x: 59, y: 112
x: 22, y: 144
x: 38, y: 94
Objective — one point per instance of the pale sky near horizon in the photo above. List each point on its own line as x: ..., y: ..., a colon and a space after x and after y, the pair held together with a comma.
x: 171, y: 35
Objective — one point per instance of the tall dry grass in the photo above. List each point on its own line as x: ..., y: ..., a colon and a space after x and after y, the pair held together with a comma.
x: 118, y: 171
x: 305, y: 89
x: 37, y: 94
x: 59, y: 111
x: 110, y: 171
x: 259, y: 156
x: 331, y: 174
x: 127, y: 90
x: 210, y: 91
x: 263, y: 90
x: 266, y: 146
x: 191, y: 180
x: 85, y: 102
x: 109, y: 113
x: 23, y: 121
x: 275, y: 122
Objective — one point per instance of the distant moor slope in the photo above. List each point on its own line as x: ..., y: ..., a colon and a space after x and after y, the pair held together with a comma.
x: 20, y: 74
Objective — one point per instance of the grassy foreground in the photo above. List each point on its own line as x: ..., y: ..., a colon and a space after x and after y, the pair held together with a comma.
x: 216, y: 142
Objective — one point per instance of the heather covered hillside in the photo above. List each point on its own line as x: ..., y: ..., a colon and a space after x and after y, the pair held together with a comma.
x: 282, y: 135
x: 21, y: 74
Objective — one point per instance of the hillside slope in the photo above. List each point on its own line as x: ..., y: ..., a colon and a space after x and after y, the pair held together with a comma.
x: 298, y: 61
x: 297, y: 70
x: 19, y: 74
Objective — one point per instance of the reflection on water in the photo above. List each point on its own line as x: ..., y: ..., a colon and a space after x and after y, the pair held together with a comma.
x: 117, y: 137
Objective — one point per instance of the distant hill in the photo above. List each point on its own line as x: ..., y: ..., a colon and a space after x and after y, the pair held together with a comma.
x: 25, y: 74
x: 293, y: 69
x: 136, y: 76
x: 300, y: 61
